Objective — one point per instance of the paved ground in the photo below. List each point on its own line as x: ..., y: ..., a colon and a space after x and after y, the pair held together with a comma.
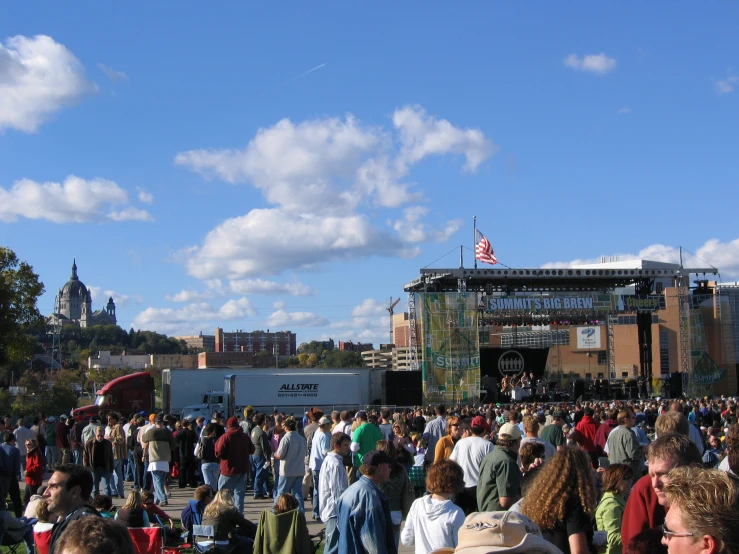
x: 252, y: 509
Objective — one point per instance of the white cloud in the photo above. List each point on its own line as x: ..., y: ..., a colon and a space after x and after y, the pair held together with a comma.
x: 279, y: 305
x: 722, y: 255
x: 198, y: 315
x: 624, y: 111
x: 369, y: 307
x: 216, y: 287
x: 114, y: 75
x: 370, y: 322
x: 266, y: 242
x: 283, y: 319
x: 130, y: 214
x: 145, y: 196
x: 320, y: 175
x: 188, y: 296
x: 260, y: 286
x: 38, y: 77
x: 600, y: 64
x: 76, y: 200
x: 727, y: 85
x: 100, y: 296
x: 422, y: 135
x: 412, y: 229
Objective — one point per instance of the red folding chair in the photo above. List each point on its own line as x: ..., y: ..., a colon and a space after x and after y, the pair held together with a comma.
x: 150, y: 540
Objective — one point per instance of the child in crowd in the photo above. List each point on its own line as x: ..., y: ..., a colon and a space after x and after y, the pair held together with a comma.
x: 418, y: 471
x: 103, y: 504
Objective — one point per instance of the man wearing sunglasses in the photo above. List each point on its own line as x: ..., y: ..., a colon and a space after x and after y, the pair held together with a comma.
x: 704, y: 512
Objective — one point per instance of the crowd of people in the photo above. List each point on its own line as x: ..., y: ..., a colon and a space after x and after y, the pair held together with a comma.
x: 616, y: 477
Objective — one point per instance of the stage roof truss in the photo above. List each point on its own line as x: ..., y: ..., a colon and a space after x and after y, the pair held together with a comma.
x: 543, y: 280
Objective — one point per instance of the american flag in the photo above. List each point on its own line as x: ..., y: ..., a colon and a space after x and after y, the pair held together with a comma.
x: 483, y: 250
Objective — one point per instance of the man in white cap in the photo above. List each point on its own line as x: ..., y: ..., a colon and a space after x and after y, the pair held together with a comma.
x: 320, y: 447
x: 499, y: 486
x: 486, y: 532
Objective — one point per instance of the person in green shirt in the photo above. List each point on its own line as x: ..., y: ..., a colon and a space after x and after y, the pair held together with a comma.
x: 553, y: 433
x: 617, y: 482
x: 364, y: 437
x: 499, y: 485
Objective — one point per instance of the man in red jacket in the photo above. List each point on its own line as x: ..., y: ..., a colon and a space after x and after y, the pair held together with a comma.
x: 585, y: 432
x: 647, y: 503
x: 233, y: 449
x: 601, y: 436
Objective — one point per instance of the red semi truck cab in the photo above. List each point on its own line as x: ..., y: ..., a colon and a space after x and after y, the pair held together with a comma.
x: 125, y: 395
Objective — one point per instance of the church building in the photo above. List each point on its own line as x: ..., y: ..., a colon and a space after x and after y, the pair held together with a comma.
x: 74, y: 305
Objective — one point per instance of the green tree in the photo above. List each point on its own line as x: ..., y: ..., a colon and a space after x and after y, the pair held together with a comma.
x: 342, y: 359
x: 303, y: 359
x: 20, y: 320
x: 312, y: 360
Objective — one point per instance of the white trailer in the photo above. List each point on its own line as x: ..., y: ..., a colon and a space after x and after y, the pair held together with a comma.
x: 296, y: 391
x: 195, y: 391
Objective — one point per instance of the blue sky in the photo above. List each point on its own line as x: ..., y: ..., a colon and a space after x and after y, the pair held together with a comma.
x: 203, y: 175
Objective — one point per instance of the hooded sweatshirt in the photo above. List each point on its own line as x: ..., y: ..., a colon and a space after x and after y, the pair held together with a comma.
x: 432, y: 524
x: 233, y: 450
x: 585, y: 435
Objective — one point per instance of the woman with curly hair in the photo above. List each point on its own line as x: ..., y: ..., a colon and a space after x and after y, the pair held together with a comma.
x: 561, y: 501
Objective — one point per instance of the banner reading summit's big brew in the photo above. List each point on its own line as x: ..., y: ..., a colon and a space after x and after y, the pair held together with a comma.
x: 450, y: 344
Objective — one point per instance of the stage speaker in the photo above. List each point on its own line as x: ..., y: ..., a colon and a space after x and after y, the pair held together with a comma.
x: 676, y: 385
x: 403, y: 388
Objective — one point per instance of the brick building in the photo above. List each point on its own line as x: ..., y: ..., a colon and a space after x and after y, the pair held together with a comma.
x: 282, y: 343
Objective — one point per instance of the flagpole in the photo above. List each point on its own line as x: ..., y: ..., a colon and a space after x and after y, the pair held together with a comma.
x: 474, y: 238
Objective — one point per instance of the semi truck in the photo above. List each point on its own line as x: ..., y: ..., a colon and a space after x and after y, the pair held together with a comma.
x: 125, y: 395
x: 296, y: 391
x: 194, y: 392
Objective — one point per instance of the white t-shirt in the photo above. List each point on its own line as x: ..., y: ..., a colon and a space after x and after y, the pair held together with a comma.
x: 343, y: 427
x: 468, y: 453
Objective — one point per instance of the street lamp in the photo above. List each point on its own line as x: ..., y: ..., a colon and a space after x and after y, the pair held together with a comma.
x: 276, y: 351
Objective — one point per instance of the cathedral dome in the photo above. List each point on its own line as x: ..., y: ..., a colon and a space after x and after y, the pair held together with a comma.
x: 74, y: 288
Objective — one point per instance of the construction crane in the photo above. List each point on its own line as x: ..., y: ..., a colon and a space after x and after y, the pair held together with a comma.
x: 390, y: 310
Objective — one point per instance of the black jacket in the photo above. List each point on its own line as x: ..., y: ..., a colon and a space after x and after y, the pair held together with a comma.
x: 61, y: 525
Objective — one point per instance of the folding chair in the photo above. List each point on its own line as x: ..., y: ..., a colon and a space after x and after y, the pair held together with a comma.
x: 15, y: 534
x: 150, y: 540
x: 204, y: 541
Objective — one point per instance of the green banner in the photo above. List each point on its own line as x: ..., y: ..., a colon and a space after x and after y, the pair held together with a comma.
x: 450, y: 346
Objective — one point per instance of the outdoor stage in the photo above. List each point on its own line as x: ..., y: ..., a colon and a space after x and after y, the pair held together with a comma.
x: 472, y: 328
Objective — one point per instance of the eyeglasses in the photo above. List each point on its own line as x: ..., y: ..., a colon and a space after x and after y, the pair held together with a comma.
x: 454, y: 425
x: 669, y: 534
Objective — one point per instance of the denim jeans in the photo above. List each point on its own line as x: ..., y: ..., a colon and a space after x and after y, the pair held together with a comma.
x: 131, y: 473
x: 118, y: 477
x: 293, y: 485
x: 260, y: 475
x: 332, y: 539
x: 211, y: 471
x: 77, y: 456
x: 236, y: 483
x: 160, y: 478
x: 52, y: 457
x: 276, y: 470
x: 316, y: 507
x: 98, y: 475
